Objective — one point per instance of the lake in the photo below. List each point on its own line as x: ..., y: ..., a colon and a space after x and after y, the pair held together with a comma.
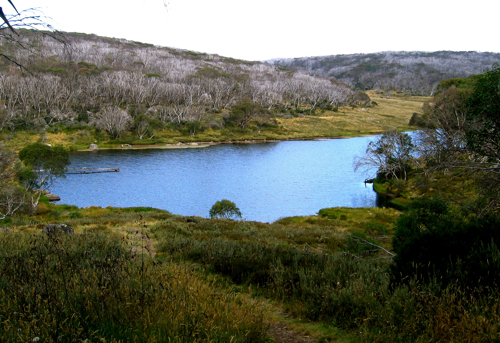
x: 267, y: 181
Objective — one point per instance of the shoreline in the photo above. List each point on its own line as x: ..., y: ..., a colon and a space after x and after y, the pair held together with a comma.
x: 197, y: 145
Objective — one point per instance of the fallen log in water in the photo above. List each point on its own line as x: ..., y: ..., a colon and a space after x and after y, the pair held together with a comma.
x: 91, y: 170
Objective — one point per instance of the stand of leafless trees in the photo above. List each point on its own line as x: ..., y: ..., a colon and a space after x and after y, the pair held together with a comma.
x: 417, y: 72
x: 87, y: 79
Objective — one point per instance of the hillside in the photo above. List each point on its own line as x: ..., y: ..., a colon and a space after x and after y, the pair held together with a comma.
x: 86, y: 81
x: 80, y: 89
x: 416, y: 73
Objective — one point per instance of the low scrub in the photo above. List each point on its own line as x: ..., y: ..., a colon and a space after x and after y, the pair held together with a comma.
x: 190, y: 284
x: 88, y: 287
x: 335, y: 283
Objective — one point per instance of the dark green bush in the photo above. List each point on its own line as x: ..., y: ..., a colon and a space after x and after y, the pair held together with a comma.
x: 74, y: 215
x: 225, y: 209
x: 433, y: 242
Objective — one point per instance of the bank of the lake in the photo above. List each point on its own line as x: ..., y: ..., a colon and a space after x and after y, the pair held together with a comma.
x: 391, y: 113
x: 194, y: 145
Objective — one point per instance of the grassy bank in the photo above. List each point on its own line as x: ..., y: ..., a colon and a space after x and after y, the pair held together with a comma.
x: 139, y: 274
x: 387, y: 114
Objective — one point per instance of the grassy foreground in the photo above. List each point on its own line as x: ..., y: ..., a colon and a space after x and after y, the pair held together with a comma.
x: 388, y: 114
x: 145, y: 275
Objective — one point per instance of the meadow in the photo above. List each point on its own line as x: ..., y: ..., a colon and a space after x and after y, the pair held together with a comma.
x: 145, y: 275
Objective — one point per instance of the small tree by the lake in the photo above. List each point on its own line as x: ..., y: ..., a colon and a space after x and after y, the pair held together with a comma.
x: 225, y: 209
x: 44, y: 165
x: 391, y: 154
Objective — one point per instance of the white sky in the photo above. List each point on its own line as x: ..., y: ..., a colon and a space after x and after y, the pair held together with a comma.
x: 266, y: 29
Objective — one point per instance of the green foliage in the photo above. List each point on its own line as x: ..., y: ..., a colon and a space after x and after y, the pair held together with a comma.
x: 194, y: 55
x: 209, y: 72
x: 448, y: 106
x: 140, y: 210
x: 374, y: 228
x: 54, y: 214
x: 47, y: 163
x: 359, y: 244
x: 236, y: 61
x: 142, y: 124
x: 461, y: 131
x: 456, y: 82
x: 88, y: 287
x: 41, y: 156
x: 336, y: 288
x: 75, y: 215
x: 298, y: 262
x: 6, y: 220
x: 432, y: 242
x: 244, y: 112
x: 86, y: 68
x: 329, y: 213
x: 417, y: 119
x: 195, y: 127
x: 483, y: 111
x: 225, y: 209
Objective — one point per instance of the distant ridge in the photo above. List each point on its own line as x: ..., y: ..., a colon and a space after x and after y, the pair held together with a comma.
x: 415, y: 72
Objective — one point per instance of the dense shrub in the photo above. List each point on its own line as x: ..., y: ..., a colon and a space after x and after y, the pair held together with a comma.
x: 432, y: 242
x: 334, y: 286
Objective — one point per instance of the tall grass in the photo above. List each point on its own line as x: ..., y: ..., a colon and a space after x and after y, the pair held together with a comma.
x: 96, y: 284
x: 326, y: 282
x: 88, y: 287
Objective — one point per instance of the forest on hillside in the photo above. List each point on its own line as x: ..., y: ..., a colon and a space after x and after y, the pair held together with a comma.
x: 417, y: 73
x: 84, y: 80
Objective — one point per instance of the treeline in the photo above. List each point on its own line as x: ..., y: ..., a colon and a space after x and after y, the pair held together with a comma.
x: 458, y: 140
x: 79, y: 79
x: 446, y: 242
x: 417, y: 73
x: 450, y: 169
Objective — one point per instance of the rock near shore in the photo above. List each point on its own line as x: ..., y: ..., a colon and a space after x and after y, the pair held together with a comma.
x: 53, y: 197
x: 54, y: 229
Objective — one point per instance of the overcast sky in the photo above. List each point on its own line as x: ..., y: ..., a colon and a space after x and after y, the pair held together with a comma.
x: 266, y: 29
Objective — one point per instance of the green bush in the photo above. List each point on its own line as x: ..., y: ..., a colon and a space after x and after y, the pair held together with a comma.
x: 194, y: 127
x: 6, y: 220
x: 432, y: 242
x: 225, y: 209
x: 75, y: 215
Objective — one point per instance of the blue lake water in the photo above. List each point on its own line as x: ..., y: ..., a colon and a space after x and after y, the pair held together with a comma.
x: 267, y: 181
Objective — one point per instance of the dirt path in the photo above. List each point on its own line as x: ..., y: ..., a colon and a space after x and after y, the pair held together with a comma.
x: 280, y: 329
x: 282, y: 333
